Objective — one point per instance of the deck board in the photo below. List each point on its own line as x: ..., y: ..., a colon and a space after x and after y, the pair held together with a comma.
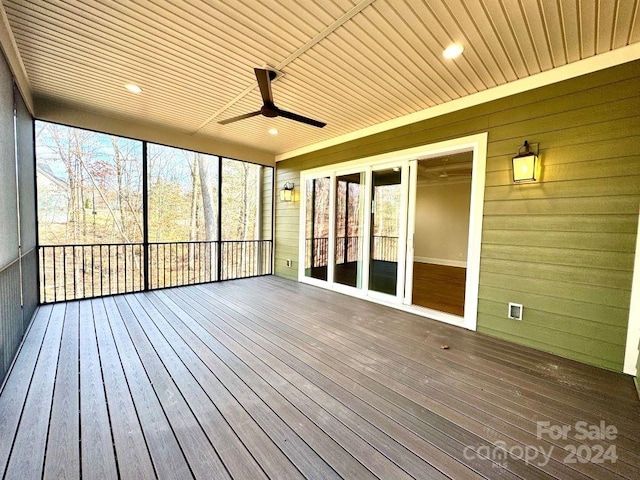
x: 236, y: 459
x: 334, y: 458
x: 332, y: 417
x: 268, y: 378
x: 166, y: 453
x: 17, y: 385
x: 98, y: 455
x: 63, y: 451
x: 134, y: 459
x: 27, y: 456
x: 263, y: 410
x: 196, y: 446
x: 491, y: 414
x: 424, y: 340
x: 271, y: 459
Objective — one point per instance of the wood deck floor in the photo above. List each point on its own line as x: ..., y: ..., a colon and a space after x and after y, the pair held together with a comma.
x: 267, y: 378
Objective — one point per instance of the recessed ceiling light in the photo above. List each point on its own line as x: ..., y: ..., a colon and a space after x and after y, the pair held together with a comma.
x: 133, y: 88
x: 453, y: 51
x: 273, y: 131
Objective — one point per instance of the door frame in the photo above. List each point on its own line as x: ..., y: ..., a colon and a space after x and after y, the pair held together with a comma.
x: 478, y: 145
x: 633, y: 326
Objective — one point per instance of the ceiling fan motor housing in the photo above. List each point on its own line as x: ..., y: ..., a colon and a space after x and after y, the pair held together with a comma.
x: 269, y: 110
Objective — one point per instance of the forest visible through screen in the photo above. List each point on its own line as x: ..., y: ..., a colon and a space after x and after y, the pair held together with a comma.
x: 90, y: 191
x: 208, y: 217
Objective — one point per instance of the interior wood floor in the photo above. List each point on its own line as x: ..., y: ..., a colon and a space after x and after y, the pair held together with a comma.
x: 439, y: 287
x: 268, y: 378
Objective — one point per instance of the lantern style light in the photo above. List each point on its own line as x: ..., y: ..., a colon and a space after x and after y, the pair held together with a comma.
x: 526, y: 165
x: 286, y: 194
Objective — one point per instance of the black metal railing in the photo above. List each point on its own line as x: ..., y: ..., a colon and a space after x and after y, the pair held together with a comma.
x: 243, y: 259
x: 182, y: 263
x: 383, y: 248
x: 347, y: 249
x: 71, y: 272
x: 317, y: 252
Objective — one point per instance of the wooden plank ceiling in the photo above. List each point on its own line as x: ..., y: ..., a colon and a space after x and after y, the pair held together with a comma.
x: 352, y: 64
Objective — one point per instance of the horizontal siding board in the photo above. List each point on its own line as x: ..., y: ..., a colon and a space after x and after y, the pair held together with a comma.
x: 597, y: 96
x: 563, y: 256
x: 584, y: 275
x: 577, y: 87
x: 574, y: 136
x: 577, y: 228
x: 555, y: 338
x: 288, y: 218
x: 583, y: 152
x: 610, y: 167
x: 565, y: 120
x: 612, y: 297
x: 567, y: 307
x: 564, y: 324
x: 564, y: 223
x: 596, y: 205
x: 585, y: 357
x: 287, y: 229
x: 616, y: 242
x: 552, y: 190
x: 391, y: 140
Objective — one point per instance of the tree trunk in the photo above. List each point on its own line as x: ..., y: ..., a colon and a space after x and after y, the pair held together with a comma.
x: 207, y: 184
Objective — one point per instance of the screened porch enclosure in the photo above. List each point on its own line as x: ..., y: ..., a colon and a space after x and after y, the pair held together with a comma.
x: 117, y: 215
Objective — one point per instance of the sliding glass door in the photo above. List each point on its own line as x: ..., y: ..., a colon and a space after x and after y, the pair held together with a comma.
x: 349, y: 231
x: 386, y: 223
x: 402, y: 228
x: 355, y: 218
x: 317, y: 196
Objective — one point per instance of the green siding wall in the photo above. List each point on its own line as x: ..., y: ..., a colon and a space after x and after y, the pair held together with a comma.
x: 564, y: 247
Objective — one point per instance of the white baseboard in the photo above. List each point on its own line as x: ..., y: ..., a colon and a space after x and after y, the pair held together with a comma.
x: 441, y: 261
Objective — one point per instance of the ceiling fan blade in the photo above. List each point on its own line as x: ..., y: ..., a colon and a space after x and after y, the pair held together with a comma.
x: 300, y: 118
x: 264, y: 78
x: 239, y: 117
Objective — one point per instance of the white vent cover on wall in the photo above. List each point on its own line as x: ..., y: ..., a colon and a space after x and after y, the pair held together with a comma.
x: 515, y: 311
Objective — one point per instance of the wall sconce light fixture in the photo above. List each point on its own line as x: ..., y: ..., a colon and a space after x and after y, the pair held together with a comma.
x: 286, y: 194
x: 526, y: 164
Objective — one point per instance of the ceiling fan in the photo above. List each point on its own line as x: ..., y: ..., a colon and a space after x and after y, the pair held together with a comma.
x: 444, y: 174
x: 269, y: 108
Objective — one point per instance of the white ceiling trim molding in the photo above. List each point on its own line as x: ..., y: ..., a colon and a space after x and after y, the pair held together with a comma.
x: 565, y: 72
x: 10, y: 49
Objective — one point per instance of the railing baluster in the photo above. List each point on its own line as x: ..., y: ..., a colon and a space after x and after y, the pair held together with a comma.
x: 64, y: 272
x: 187, y: 263
x: 43, y: 274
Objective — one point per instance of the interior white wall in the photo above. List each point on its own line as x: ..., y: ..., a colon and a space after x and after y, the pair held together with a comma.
x: 442, y: 223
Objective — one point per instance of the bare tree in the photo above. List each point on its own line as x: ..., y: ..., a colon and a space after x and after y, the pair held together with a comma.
x: 208, y: 187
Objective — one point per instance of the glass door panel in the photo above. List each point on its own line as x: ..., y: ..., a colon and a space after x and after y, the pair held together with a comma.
x: 350, y: 201
x: 385, y: 230
x: 317, y: 201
